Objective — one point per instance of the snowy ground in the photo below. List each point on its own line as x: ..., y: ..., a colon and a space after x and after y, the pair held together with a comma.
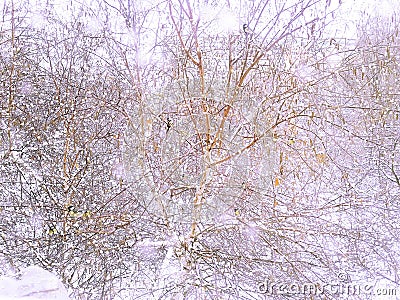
x: 34, y: 283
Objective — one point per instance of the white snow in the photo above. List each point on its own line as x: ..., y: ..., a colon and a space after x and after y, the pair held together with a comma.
x: 34, y: 283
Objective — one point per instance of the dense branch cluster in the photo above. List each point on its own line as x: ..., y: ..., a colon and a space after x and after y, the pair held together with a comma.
x: 143, y: 155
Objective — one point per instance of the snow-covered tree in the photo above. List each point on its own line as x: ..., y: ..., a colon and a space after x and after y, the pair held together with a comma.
x: 199, y: 150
